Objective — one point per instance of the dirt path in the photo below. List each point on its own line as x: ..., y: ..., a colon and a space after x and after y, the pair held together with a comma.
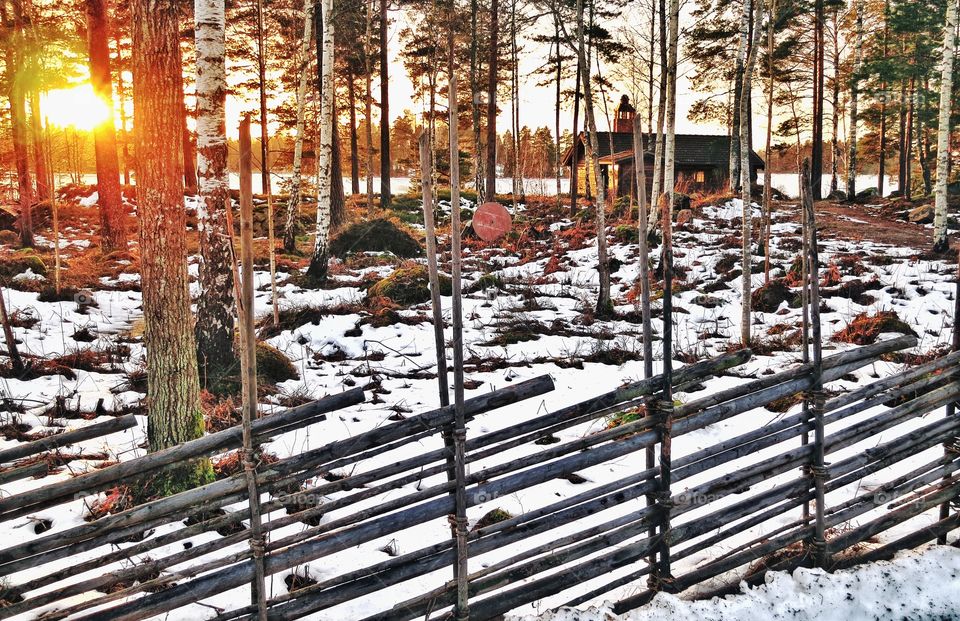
x: 864, y: 223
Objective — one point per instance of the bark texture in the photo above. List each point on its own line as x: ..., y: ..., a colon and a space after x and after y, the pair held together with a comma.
x: 317, y: 271
x: 113, y: 219
x: 173, y: 388
x: 941, y: 242
x: 215, y: 306
x: 293, y: 203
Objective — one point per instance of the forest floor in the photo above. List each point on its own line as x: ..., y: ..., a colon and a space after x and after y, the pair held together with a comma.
x: 528, y: 311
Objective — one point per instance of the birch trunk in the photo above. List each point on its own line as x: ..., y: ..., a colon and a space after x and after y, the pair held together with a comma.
x: 215, y: 318
x: 738, y: 82
x: 317, y: 272
x: 493, y: 58
x: 747, y: 198
x: 767, y: 180
x: 604, y: 305
x: 941, y: 242
x: 173, y: 387
x: 293, y: 203
x: 854, y: 102
x: 658, y: 146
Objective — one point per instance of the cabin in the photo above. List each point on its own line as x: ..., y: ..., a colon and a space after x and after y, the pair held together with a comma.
x: 702, y: 162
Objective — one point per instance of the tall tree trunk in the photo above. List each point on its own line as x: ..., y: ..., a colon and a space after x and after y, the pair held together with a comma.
x: 113, y: 225
x: 816, y: 155
x: 604, y: 304
x: 492, y: 65
x: 173, y: 387
x: 659, y: 146
x: 738, y: 81
x: 854, y: 102
x: 189, y: 151
x: 835, y: 110
x: 767, y: 177
x: 556, y: 109
x: 18, y: 121
x: 264, y: 121
x: 903, y: 144
x: 354, y: 154
x: 574, y: 159
x: 475, y: 102
x: 923, y: 145
x: 517, y: 185
x: 745, y: 180
x: 908, y: 143
x: 882, y: 159
x: 385, y: 197
x: 215, y: 305
x: 941, y: 242
x: 39, y: 148
x: 368, y: 103
x: 317, y: 272
x: 122, y: 99
x: 296, y: 198
x: 338, y: 212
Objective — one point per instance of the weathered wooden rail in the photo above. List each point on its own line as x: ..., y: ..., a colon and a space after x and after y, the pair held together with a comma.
x: 600, y: 538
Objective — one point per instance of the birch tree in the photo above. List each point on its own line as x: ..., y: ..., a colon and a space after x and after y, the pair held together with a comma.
x: 941, y: 242
x: 604, y: 305
x: 854, y: 102
x: 215, y: 320
x: 738, y: 89
x: 747, y: 199
x: 172, y: 381
x: 317, y: 272
x: 293, y: 203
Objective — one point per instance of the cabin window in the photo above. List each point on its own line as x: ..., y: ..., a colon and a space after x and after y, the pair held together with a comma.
x: 699, y: 176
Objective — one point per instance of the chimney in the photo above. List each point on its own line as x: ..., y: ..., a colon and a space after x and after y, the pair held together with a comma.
x: 623, y: 116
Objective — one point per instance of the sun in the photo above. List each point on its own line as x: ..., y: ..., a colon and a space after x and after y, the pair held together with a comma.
x: 76, y: 107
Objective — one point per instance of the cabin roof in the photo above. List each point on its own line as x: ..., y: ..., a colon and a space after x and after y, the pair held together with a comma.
x: 691, y: 149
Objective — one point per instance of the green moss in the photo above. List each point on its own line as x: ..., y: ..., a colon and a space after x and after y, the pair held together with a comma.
x: 20, y: 262
x: 626, y: 234
x: 487, y: 281
x: 378, y: 235
x: 493, y: 517
x: 408, y: 285
x: 273, y: 366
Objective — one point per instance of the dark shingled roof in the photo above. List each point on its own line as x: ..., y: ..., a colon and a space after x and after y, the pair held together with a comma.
x: 691, y: 149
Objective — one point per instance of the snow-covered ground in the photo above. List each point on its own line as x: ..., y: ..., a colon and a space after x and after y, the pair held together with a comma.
x: 538, y: 323
x: 915, y: 585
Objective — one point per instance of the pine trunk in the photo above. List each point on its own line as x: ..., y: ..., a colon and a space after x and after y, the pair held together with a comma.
x: 18, y: 122
x: 854, y: 102
x: 745, y: 180
x: 738, y: 81
x: 354, y: 148
x: 215, y: 305
x: 941, y: 242
x: 816, y: 155
x: 368, y: 104
x: 492, y: 64
x: 173, y: 387
x: 113, y: 225
x: 262, y: 83
x: 39, y: 148
x: 385, y: 197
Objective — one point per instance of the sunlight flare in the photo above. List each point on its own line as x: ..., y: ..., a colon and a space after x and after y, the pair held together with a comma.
x: 77, y: 107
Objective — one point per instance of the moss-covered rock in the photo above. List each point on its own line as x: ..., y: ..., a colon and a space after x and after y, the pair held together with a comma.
x: 865, y: 328
x: 493, y: 517
x: 408, y: 285
x: 273, y: 366
x: 769, y: 297
x: 21, y: 261
x: 380, y: 235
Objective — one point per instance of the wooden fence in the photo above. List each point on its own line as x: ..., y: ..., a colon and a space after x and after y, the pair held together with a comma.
x: 600, y: 541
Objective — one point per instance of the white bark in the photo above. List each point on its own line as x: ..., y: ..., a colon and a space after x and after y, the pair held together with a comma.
x: 854, y: 100
x: 592, y: 147
x: 293, y: 204
x: 746, y: 194
x: 670, y: 139
x: 215, y: 304
x: 325, y: 154
x: 738, y: 81
x: 940, y: 240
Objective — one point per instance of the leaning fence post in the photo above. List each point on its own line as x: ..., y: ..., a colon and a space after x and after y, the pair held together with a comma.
x: 818, y: 469
x: 459, y: 428
x: 248, y: 363
x: 952, y: 446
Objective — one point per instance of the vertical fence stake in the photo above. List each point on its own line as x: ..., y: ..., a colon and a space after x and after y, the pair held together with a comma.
x: 952, y: 447
x: 818, y: 469
x: 461, y: 570
x: 248, y: 361
x: 644, y: 251
x: 664, y: 406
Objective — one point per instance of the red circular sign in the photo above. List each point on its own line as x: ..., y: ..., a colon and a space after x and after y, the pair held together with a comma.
x: 491, y: 221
